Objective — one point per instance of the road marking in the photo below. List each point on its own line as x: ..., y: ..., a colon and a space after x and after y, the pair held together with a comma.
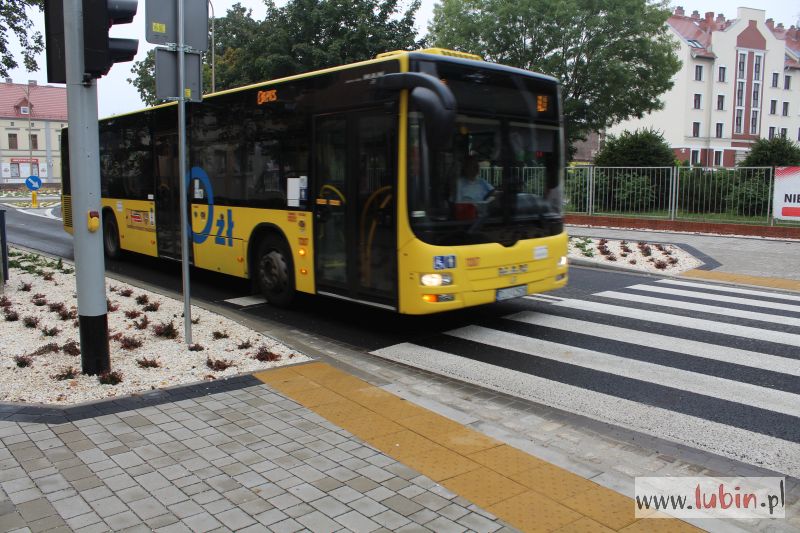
x: 544, y: 298
x: 717, y: 297
x: 723, y: 389
x: 683, y: 322
x: 673, y: 344
x: 246, y: 301
x: 776, y: 283
x: 712, y: 309
x: 726, y: 288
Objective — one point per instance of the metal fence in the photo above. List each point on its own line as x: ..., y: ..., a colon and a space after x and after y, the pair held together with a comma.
x: 742, y: 194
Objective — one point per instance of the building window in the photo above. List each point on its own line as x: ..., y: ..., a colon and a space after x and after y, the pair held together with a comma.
x: 754, y: 122
x: 773, y: 107
x: 695, y: 129
x: 719, y: 130
x: 783, y: 132
x: 717, y: 158
x: 738, y: 121
x: 698, y: 72
x: 697, y: 100
x: 786, y: 109
x: 756, y: 94
x: 12, y: 141
x: 695, y: 157
x: 787, y: 82
x: 775, y: 78
x: 720, y: 102
x: 757, y: 69
x: 34, y: 142
x: 722, y: 71
x: 771, y: 132
x: 741, y: 65
x: 24, y: 110
x: 740, y: 94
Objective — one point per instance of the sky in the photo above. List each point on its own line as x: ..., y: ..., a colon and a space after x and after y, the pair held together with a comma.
x: 116, y: 95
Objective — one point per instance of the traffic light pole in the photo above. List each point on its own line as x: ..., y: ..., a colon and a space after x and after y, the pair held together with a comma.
x: 185, y: 220
x: 85, y: 188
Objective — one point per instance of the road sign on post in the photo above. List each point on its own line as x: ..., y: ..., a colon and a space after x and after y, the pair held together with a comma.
x: 162, y: 23
x: 167, y: 86
x: 34, y: 183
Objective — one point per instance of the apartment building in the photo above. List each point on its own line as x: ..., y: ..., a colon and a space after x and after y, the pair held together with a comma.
x: 31, y: 119
x: 739, y: 81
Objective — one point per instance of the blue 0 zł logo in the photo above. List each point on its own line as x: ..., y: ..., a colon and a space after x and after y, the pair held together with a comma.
x: 197, y: 173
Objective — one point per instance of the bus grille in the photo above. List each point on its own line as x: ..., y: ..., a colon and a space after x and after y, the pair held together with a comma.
x: 66, y: 210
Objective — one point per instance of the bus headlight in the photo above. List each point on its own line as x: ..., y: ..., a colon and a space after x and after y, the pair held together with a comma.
x: 436, y: 280
x: 563, y: 261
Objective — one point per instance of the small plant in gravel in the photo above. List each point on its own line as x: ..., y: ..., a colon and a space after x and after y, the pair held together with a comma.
x: 111, y: 306
x: 611, y: 257
x: 23, y: 361
x: 196, y: 347
x: 25, y: 287
x: 142, y: 324
x: 5, y: 303
x: 30, y: 321
x: 133, y: 313
x: 50, y: 332
x: 56, y: 307
x: 129, y: 343
x: 623, y: 254
x: 218, y: 365
x: 114, y: 336
x: 39, y: 300
x: 112, y: 377
x: 666, y: 251
x: 632, y: 261
x: 602, y: 242
x: 196, y: 320
x: 142, y: 299
x: 166, y: 330
x: 220, y: 335
x: 125, y: 292
x: 244, y: 345
x: 646, y: 251
x: 264, y: 354
x: 67, y: 373
x: 152, y: 306
x: 48, y: 276
x: 112, y: 288
x: 11, y: 315
x: 71, y: 348
x: 672, y: 260
x: 661, y: 265
x: 603, y: 249
x: 50, y: 347
x: 144, y: 362
x: 70, y: 314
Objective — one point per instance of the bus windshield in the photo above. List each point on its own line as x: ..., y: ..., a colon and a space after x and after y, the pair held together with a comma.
x: 498, y: 177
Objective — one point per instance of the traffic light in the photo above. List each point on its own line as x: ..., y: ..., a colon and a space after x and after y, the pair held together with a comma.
x: 100, y: 52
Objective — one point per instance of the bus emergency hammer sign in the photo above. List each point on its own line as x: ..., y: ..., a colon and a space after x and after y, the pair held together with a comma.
x: 786, y: 199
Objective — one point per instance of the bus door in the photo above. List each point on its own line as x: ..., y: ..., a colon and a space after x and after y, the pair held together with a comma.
x: 167, y: 197
x: 355, y: 206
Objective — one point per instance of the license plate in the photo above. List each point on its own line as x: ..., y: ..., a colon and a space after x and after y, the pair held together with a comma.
x: 511, y: 292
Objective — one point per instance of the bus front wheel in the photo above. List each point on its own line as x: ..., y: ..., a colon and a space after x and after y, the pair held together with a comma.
x: 111, y: 237
x: 274, y: 272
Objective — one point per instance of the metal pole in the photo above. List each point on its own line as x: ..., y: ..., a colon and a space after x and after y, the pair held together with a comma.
x: 213, y: 51
x: 187, y: 300
x: 85, y: 171
x: 30, y: 138
x: 770, y: 205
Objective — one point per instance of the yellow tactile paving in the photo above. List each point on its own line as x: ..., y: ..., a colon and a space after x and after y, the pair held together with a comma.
x: 506, y: 460
x: 715, y: 275
x: 552, y: 481
x: 532, y: 512
x: 524, y: 491
x: 483, y: 487
x: 610, y: 508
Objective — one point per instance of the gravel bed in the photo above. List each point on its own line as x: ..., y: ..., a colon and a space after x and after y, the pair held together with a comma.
x: 34, y: 296
x: 639, y: 256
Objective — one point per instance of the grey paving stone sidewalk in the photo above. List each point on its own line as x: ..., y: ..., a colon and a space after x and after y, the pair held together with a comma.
x: 244, y: 460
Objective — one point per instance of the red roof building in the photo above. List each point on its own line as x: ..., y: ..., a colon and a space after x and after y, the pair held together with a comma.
x: 739, y: 81
x: 31, y: 119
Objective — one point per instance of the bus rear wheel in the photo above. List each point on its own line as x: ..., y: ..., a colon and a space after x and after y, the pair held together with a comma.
x: 111, y: 244
x: 275, y: 272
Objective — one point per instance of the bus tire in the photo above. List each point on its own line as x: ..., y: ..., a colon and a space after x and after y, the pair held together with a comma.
x: 111, y: 245
x: 275, y: 271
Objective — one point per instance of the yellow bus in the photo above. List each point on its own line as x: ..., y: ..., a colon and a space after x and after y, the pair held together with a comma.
x: 419, y: 182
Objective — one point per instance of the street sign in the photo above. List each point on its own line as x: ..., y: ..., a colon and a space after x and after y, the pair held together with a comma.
x: 167, y: 75
x: 34, y: 183
x: 161, y: 21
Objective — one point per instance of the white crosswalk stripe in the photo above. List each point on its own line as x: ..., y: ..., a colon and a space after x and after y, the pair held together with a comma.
x: 716, y: 380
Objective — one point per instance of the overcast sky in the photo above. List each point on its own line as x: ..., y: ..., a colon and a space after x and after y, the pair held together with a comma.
x: 116, y: 95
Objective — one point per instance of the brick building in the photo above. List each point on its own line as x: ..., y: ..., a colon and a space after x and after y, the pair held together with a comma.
x: 740, y: 81
x: 31, y: 119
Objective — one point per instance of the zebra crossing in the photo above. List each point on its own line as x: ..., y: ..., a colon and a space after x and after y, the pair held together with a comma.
x: 711, y: 366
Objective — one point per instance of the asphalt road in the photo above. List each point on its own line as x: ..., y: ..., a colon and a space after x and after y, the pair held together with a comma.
x: 711, y: 366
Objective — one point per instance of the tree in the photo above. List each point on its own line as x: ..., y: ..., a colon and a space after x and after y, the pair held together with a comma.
x: 613, y: 57
x: 14, y: 17
x: 144, y: 78
x: 775, y: 152
x: 641, y: 148
x: 301, y: 36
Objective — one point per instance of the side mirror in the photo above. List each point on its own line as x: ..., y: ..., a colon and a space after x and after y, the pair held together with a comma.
x: 432, y: 97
